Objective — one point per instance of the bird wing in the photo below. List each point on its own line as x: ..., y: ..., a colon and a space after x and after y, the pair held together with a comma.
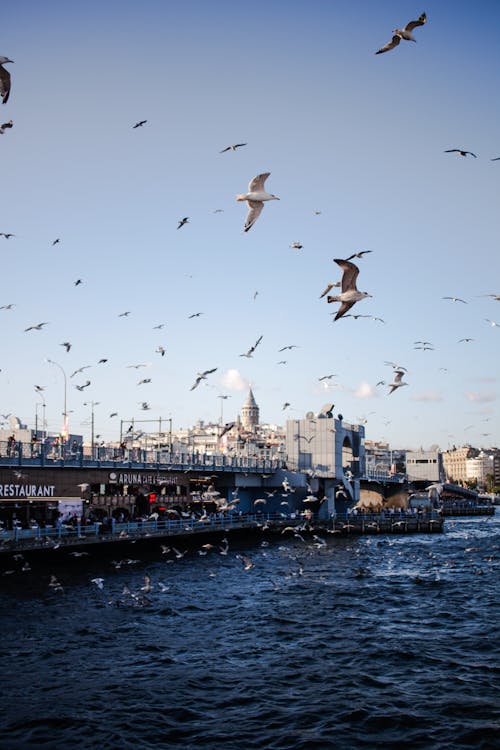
x: 255, y: 208
x: 390, y: 45
x: 344, y: 307
x: 196, y: 383
x: 4, y: 84
x: 208, y: 372
x: 330, y: 286
x: 413, y: 24
x: 258, y: 182
x: 350, y: 274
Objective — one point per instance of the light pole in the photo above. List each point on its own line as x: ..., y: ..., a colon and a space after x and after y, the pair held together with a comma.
x: 91, y: 404
x: 65, y: 430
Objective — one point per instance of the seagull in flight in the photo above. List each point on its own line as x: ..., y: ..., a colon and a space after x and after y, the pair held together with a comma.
x: 291, y: 346
x: 359, y: 255
x: 141, y: 364
x: 160, y: 350
x: 139, y: 124
x: 5, y: 126
x: 159, y: 327
x: 80, y: 369
x: 81, y: 387
x: 327, y: 377
x: 233, y: 147
x: 296, y: 246
x: 493, y: 296
x: 124, y: 314
x: 398, y: 381
x: 145, y: 406
x: 7, y: 235
x: 252, y: 348
x: 39, y: 388
x: 183, y: 221
x: 255, y: 199
x: 78, y: 282
x: 4, y: 79
x: 66, y: 345
x: 56, y: 241
x: 7, y: 307
x: 195, y: 315
x: 38, y: 327
x: 492, y: 323
x: 201, y: 376
x: 405, y: 33
x: 459, y: 151
x: 465, y: 340
x: 144, y: 381
x: 456, y: 299
x: 349, y: 294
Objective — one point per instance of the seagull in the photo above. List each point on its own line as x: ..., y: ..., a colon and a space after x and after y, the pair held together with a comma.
x: 136, y: 367
x: 227, y: 427
x: 139, y: 124
x: 143, y: 381
x: 113, y: 414
x: 159, y: 327
x: 201, y: 376
x: 102, y: 361
x: 39, y: 388
x: 161, y: 351
x: 296, y: 246
x: 465, y: 340
x: 232, y: 148
x: 81, y: 387
x: 255, y: 199
x: 56, y: 241
x: 252, y: 348
x: 78, y: 282
x: 145, y: 406
x: 99, y: 582
x: 66, y: 345
x: 7, y: 307
x: 455, y: 299
x: 398, y: 375
x: 328, y: 287
x: 183, y: 221
x: 80, y: 369
x: 359, y: 255
x: 5, y: 126
x: 493, y: 296
x: 350, y: 294
x: 7, y: 235
x: 492, y: 323
x: 285, y: 406
x: 292, y: 346
x: 4, y: 79
x: 459, y: 151
x: 195, y: 315
x: 403, y: 34
x: 327, y: 377
x: 38, y: 327
x: 124, y: 314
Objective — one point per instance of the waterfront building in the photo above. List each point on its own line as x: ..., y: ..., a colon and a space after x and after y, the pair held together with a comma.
x: 424, y: 465
x: 455, y: 463
x: 485, y: 464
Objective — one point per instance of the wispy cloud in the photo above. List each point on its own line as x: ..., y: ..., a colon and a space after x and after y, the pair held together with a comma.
x: 480, y: 398
x: 427, y: 396
x: 365, y: 390
x: 234, y: 381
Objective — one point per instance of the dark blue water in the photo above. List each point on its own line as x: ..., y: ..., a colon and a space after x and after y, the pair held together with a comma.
x: 368, y: 642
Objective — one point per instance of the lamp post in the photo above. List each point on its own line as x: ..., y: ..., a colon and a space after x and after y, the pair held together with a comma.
x: 65, y: 430
x: 91, y: 404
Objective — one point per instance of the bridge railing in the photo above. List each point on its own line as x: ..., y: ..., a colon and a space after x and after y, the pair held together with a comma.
x: 17, y: 453
x: 64, y: 533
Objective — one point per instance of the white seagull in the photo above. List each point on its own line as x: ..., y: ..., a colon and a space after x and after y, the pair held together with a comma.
x: 398, y: 382
x: 255, y: 199
x: 349, y: 294
x: 403, y: 34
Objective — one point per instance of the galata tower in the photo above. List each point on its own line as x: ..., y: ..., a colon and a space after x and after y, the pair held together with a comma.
x: 250, y: 413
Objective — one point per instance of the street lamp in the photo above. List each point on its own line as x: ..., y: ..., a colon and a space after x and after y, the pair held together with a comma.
x: 91, y: 404
x: 65, y: 430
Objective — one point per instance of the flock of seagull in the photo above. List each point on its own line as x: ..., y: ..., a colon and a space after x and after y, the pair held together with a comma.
x: 255, y: 198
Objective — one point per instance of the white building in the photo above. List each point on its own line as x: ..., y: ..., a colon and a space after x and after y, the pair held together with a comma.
x: 424, y: 465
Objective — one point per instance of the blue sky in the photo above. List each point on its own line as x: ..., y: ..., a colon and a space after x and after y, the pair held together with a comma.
x: 357, y: 136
